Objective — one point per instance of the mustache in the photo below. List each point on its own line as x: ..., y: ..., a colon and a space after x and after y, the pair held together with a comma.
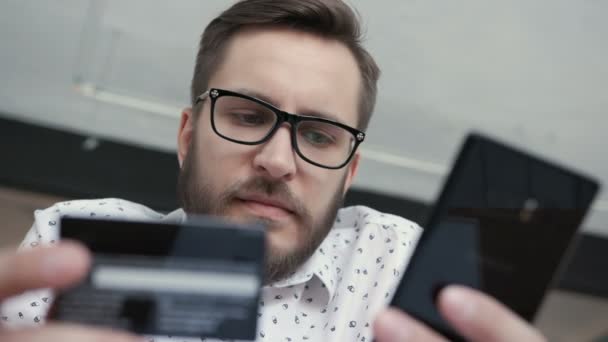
x: 275, y: 189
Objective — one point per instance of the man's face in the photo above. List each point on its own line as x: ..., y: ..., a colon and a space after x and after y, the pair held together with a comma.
x: 298, y: 73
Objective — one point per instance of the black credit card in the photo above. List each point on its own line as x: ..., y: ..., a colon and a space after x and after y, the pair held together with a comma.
x: 196, y: 279
x: 502, y: 224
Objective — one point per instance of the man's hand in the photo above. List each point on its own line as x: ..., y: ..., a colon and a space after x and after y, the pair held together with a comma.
x: 49, y: 267
x: 474, y: 315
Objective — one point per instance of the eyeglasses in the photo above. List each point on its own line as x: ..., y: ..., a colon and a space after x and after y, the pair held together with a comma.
x: 246, y: 120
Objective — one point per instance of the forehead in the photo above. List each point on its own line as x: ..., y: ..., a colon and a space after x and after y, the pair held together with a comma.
x: 296, y: 71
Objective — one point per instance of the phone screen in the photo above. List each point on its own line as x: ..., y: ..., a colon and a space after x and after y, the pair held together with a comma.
x: 502, y: 224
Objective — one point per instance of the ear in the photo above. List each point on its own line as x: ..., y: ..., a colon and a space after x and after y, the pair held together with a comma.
x: 184, y: 135
x: 353, y: 166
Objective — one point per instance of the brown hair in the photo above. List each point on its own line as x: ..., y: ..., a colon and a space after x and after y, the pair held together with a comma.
x: 331, y: 19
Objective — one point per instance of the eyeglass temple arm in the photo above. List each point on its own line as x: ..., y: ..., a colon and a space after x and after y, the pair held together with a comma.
x: 202, y: 97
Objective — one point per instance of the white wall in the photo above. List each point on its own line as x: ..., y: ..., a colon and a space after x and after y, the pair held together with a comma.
x: 531, y: 72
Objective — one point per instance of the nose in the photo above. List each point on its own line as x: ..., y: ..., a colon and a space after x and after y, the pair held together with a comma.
x: 276, y: 157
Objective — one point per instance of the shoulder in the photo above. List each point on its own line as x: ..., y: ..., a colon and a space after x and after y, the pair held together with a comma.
x: 363, y: 217
x: 46, y: 221
x: 386, y: 236
x: 99, y: 208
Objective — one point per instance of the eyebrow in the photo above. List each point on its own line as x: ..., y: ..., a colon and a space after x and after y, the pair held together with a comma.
x: 270, y: 100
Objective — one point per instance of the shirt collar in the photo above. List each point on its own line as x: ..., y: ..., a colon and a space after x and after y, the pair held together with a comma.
x: 176, y: 216
x: 320, y: 265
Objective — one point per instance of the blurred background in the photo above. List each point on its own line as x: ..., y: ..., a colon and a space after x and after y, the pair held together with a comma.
x: 91, y: 92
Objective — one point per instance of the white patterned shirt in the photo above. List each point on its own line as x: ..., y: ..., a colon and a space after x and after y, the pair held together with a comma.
x: 334, y: 296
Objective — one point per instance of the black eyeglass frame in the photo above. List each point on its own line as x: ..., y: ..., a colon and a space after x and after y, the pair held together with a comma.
x: 282, y: 117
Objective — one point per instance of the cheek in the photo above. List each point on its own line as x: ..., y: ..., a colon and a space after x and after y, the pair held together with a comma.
x: 221, y: 163
x: 218, y: 153
x: 320, y: 187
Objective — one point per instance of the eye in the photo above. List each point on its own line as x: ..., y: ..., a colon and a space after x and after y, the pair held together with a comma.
x: 249, y: 119
x: 317, y: 137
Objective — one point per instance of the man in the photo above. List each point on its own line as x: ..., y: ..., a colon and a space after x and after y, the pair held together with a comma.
x: 245, y: 155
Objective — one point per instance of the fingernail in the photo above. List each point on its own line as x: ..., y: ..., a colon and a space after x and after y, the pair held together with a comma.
x: 459, y: 300
x: 394, y: 327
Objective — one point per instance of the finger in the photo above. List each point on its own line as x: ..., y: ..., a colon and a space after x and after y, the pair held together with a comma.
x: 43, y: 267
x: 479, y: 317
x: 66, y: 333
x: 393, y: 325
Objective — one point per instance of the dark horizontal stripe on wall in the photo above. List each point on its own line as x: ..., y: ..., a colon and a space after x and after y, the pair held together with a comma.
x: 72, y: 165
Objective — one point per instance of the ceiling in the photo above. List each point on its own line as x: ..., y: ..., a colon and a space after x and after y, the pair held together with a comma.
x: 533, y: 73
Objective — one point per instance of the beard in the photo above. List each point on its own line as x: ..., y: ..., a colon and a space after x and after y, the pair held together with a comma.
x: 197, y: 195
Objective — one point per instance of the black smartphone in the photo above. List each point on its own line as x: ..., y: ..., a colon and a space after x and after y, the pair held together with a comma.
x: 201, y: 278
x: 502, y: 224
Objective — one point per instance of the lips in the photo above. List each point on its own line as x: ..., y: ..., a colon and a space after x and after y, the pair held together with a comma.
x: 267, y: 206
